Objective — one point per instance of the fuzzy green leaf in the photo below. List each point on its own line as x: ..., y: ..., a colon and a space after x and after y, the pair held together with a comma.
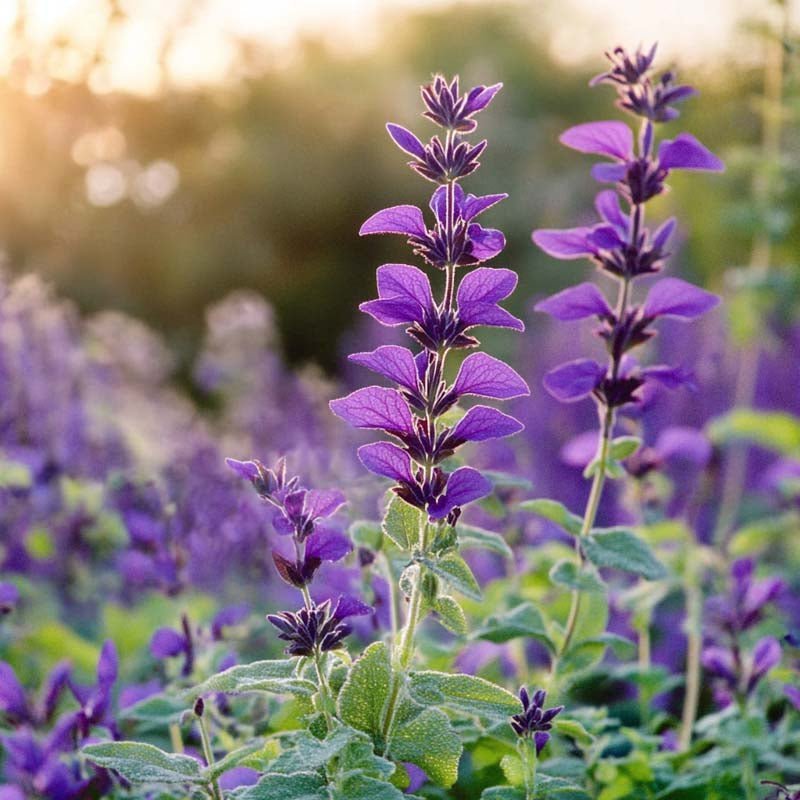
x: 274, y: 677
x: 365, y: 692
x: 453, y: 569
x: 584, y: 579
x: 466, y: 693
x: 523, y: 620
x: 622, y: 549
x: 402, y: 523
x: 773, y: 430
x: 470, y: 537
x: 143, y: 763
x: 623, y: 447
x: 555, y: 512
x: 299, y: 786
x: 451, y: 615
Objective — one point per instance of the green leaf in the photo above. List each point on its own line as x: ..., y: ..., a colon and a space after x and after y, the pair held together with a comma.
x: 365, y: 692
x: 470, y: 537
x: 451, y: 615
x: 622, y: 549
x: 506, y: 480
x: 513, y: 769
x: 231, y: 760
x: 623, y: 447
x: 551, y: 788
x: 309, y: 753
x: 466, y: 693
x: 274, y: 677
x: 14, y: 475
x: 358, y: 786
x: 429, y: 741
x: 453, y: 569
x: 523, y: 620
x: 502, y: 793
x: 555, y: 512
x: 157, y: 711
x: 774, y: 430
x: 584, y: 579
x: 402, y: 523
x: 573, y: 730
x: 300, y: 786
x: 142, y: 763
x: 366, y: 534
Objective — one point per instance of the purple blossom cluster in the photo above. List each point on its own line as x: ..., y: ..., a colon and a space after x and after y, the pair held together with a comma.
x: 735, y: 669
x: 414, y: 413
x: 620, y: 244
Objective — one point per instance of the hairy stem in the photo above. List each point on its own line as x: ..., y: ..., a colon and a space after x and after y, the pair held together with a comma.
x: 694, y: 644
x: 208, y: 754
x: 326, y: 695
x: 529, y: 764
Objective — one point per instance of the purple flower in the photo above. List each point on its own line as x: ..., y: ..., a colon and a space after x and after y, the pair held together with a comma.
x: 411, y: 414
x: 319, y: 628
x: 621, y: 245
x: 535, y: 721
x: 9, y: 597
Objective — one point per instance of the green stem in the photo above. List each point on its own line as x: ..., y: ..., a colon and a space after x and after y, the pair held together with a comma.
x: 208, y: 754
x: 590, y: 514
x: 175, y: 737
x: 325, y: 692
x: 529, y: 764
x: 644, y: 666
x: 694, y: 643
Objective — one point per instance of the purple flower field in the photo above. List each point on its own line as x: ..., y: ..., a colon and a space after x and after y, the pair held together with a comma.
x: 520, y: 546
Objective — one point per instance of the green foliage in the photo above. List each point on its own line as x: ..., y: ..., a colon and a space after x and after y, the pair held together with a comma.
x: 583, y: 578
x: 774, y: 430
x: 470, y: 537
x: 465, y: 693
x: 523, y: 620
x: 456, y: 572
x: 622, y: 549
x: 273, y: 677
x: 555, y: 512
x: 299, y: 786
x: 143, y: 763
x: 401, y: 523
x: 365, y: 693
x: 451, y: 615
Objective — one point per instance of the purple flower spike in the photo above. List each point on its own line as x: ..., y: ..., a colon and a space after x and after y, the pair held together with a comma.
x: 620, y: 244
x: 534, y: 721
x: 451, y: 242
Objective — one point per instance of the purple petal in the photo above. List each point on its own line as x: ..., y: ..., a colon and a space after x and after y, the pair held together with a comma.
x: 760, y: 593
x: 564, y: 244
x: 406, y: 140
x: 107, y: 664
x: 685, y: 152
x: 321, y: 503
x: 672, y: 297
x: 404, y: 282
x: 244, y: 469
x: 607, y: 205
x: 719, y: 662
x: 463, y: 486
x: 577, y: 302
x: 487, y: 376
x: 166, y: 643
x: 238, y: 776
x: 392, y: 312
x: 133, y: 693
x: 486, y: 285
x: 477, y: 205
x: 766, y: 655
x: 327, y: 544
x: 574, y: 380
x: 489, y: 314
x: 438, y: 202
x: 663, y: 232
x: 670, y: 377
x: 12, y: 696
x: 482, y: 422
x: 384, y: 458
x: 540, y: 739
x: 347, y: 606
x: 397, y: 219
x: 684, y: 443
x: 609, y: 138
x: 391, y: 361
x: 9, y: 597
x: 377, y: 408
x: 793, y: 694
x: 480, y: 97
x: 580, y: 449
x: 609, y: 173
x: 228, y: 617
x: 604, y: 237
x: 486, y: 243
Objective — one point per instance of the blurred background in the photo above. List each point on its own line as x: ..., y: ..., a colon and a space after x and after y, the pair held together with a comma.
x: 156, y: 155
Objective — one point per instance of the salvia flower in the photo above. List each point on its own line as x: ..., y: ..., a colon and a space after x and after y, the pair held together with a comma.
x: 621, y: 245
x: 535, y: 721
x: 737, y: 670
x: 318, y: 628
x: 298, y: 513
x: 411, y: 412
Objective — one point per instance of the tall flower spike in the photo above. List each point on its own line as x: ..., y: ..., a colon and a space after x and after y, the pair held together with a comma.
x: 620, y: 244
x: 412, y: 413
